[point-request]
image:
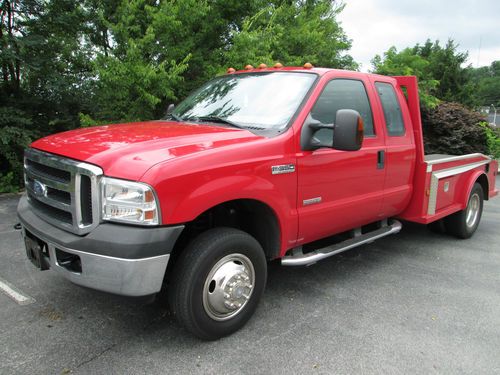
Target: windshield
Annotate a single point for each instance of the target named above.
(262, 101)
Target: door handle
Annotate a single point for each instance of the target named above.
(380, 159)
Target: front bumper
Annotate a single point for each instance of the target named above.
(119, 259)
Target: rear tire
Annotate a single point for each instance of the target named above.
(217, 282)
(464, 223)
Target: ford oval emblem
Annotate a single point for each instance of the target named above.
(39, 189)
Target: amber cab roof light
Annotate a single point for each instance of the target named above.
(277, 65)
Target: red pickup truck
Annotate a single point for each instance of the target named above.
(256, 165)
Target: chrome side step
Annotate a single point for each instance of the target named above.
(301, 259)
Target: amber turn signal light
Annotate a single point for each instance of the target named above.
(360, 132)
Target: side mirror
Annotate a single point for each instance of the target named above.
(348, 131)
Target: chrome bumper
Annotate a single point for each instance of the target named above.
(128, 277)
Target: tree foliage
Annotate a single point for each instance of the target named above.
(406, 63)
(448, 90)
(440, 70)
(292, 32)
(487, 80)
(70, 63)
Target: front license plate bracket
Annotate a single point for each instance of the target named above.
(37, 253)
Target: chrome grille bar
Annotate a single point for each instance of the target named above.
(54, 187)
(47, 181)
(47, 200)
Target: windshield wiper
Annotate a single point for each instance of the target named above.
(220, 120)
(175, 117)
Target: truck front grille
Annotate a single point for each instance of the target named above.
(62, 191)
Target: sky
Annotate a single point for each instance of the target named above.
(376, 25)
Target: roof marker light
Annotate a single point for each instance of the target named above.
(278, 65)
(231, 70)
(308, 65)
(262, 66)
(248, 67)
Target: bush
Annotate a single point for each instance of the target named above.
(451, 128)
(14, 124)
(7, 184)
(493, 139)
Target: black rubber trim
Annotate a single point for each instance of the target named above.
(114, 240)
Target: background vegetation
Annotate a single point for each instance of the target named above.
(70, 63)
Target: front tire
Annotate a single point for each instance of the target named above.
(217, 282)
(464, 223)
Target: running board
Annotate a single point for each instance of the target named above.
(301, 259)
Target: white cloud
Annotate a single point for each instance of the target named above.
(376, 25)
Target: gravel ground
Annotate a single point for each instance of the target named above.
(415, 303)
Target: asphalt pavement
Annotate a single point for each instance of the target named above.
(416, 302)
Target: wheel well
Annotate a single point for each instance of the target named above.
(251, 216)
(483, 181)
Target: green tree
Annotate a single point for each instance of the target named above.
(72, 63)
(488, 84)
(439, 69)
(292, 33)
(157, 52)
(46, 74)
(406, 63)
(446, 65)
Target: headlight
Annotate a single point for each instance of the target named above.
(128, 202)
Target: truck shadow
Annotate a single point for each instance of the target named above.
(287, 288)
(343, 265)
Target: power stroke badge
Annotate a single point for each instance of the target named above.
(285, 168)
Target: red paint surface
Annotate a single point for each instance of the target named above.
(129, 150)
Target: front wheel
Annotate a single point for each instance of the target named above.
(464, 223)
(217, 282)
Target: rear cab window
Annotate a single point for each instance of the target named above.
(392, 109)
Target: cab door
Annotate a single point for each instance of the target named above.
(400, 146)
(340, 190)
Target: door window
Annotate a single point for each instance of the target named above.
(342, 94)
(392, 109)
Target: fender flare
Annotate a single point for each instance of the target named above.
(472, 180)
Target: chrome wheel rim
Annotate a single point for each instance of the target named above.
(228, 287)
(472, 212)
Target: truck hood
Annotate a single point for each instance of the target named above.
(129, 150)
